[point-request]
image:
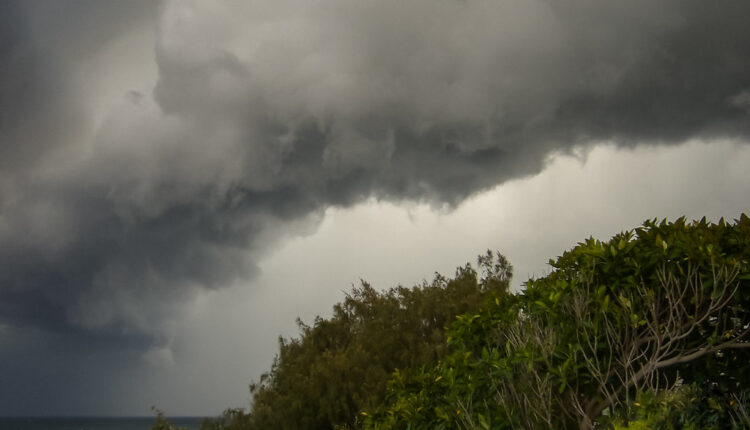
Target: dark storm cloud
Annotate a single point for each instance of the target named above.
(32, 94)
(264, 115)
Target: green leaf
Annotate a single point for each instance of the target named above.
(624, 301)
(441, 414)
(484, 421)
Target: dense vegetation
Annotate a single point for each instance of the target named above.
(340, 366)
(642, 315)
(647, 330)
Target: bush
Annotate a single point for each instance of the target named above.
(340, 366)
(613, 320)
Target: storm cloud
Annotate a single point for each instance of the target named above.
(252, 118)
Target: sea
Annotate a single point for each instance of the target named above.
(90, 423)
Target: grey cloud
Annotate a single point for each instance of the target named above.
(263, 115)
(32, 96)
(439, 104)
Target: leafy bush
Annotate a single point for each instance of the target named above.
(614, 319)
(686, 407)
(340, 366)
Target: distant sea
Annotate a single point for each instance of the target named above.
(87, 423)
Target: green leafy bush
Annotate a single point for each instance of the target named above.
(686, 407)
(340, 366)
(663, 303)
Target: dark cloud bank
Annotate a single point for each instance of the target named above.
(263, 116)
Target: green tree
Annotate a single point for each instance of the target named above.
(642, 312)
(648, 329)
(340, 366)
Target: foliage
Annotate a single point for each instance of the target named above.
(614, 320)
(340, 366)
(686, 407)
(647, 330)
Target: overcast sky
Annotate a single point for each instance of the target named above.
(180, 180)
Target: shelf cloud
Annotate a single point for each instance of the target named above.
(260, 115)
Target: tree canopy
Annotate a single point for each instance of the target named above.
(340, 366)
(649, 311)
(650, 329)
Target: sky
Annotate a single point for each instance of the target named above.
(180, 180)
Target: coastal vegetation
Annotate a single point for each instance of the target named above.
(650, 329)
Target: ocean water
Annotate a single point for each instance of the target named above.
(87, 423)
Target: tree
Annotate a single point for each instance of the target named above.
(340, 366)
(641, 313)
(648, 329)
(649, 305)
